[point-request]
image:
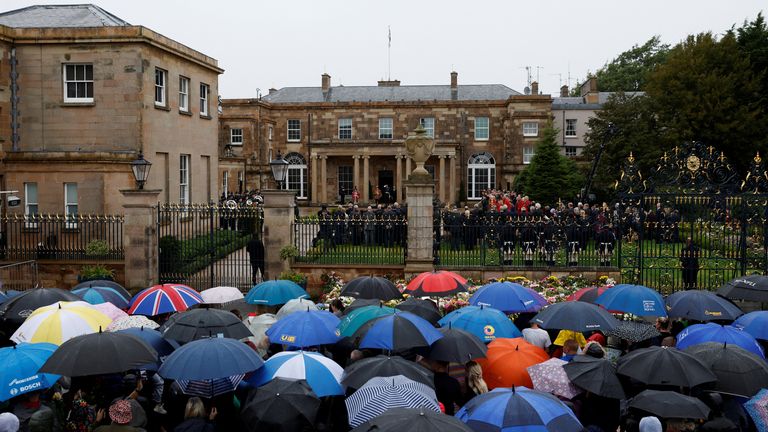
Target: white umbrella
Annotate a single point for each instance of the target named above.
(258, 325)
(296, 305)
(221, 294)
(132, 321)
(110, 310)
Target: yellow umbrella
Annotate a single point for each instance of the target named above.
(59, 322)
(564, 335)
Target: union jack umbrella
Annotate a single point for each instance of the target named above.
(436, 284)
(165, 298)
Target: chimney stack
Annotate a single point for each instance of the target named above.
(326, 83)
(454, 80)
(564, 91)
(272, 90)
(535, 88)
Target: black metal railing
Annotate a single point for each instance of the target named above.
(61, 237)
(19, 276)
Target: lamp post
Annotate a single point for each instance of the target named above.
(279, 168)
(140, 168)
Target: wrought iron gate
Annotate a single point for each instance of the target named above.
(204, 246)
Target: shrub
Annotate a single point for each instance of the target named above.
(97, 248)
(93, 272)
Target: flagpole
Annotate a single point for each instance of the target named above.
(389, 51)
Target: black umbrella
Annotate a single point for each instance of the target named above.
(371, 287)
(99, 353)
(665, 366)
(577, 316)
(457, 346)
(413, 420)
(14, 311)
(738, 371)
(634, 331)
(196, 324)
(754, 288)
(361, 302)
(281, 405)
(595, 375)
(359, 372)
(701, 306)
(426, 309)
(106, 284)
(670, 405)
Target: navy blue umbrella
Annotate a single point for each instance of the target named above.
(635, 299)
(209, 359)
(400, 331)
(701, 306)
(754, 323)
(577, 316)
(711, 332)
(153, 338)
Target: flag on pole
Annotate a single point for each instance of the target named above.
(389, 29)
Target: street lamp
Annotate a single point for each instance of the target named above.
(279, 168)
(140, 168)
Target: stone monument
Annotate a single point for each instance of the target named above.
(420, 191)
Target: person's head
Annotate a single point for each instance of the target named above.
(570, 347)
(663, 324)
(475, 379)
(593, 349)
(337, 305)
(668, 341)
(129, 383)
(120, 412)
(439, 366)
(533, 324)
(194, 408)
(9, 422)
(41, 421)
(236, 312)
(689, 241)
(650, 424)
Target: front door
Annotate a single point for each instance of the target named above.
(386, 184)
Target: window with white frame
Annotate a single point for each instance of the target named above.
(236, 136)
(294, 130)
(345, 181)
(183, 94)
(385, 128)
(205, 91)
(184, 179)
(161, 78)
(296, 177)
(428, 123)
(530, 129)
(570, 151)
(481, 174)
(70, 204)
(528, 154)
(570, 128)
(225, 183)
(345, 128)
(481, 128)
(30, 203)
(78, 82)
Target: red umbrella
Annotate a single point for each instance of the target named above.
(436, 284)
(589, 294)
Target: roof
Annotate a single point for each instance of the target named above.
(580, 103)
(82, 15)
(396, 94)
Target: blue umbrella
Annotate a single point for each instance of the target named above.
(305, 329)
(18, 369)
(101, 283)
(210, 359)
(3, 297)
(321, 373)
(711, 332)
(754, 323)
(634, 299)
(701, 306)
(484, 322)
(98, 295)
(275, 292)
(508, 297)
(518, 409)
(400, 331)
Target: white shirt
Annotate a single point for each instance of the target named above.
(538, 337)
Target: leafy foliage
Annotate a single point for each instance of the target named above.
(631, 69)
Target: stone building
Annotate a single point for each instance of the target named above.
(93, 92)
(337, 138)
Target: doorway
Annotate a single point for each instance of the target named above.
(386, 184)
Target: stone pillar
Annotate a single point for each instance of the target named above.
(399, 178)
(356, 173)
(441, 183)
(407, 167)
(278, 222)
(453, 188)
(324, 179)
(420, 190)
(140, 238)
(366, 179)
(313, 178)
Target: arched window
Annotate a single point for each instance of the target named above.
(481, 174)
(296, 178)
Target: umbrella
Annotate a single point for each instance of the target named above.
(757, 407)
(670, 405)
(400, 331)
(258, 326)
(578, 316)
(711, 332)
(359, 372)
(665, 366)
(16, 309)
(634, 331)
(281, 405)
(595, 375)
(701, 306)
(99, 353)
(635, 299)
(96, 295)
(132, 321)
(102, 283)
(153, 338)
(321, 373)
(305, 329)
(754, 323)
(19, 367)
(211, 358)
(381, 394)
(484, 322)
(296, 305)
(588, 294)
(353, 321)
(203, 323)
(210, 388)
(457, 346)
(738, 371)
(754, 288)
(110, 310)
(413, 420)
(165, 298)
(426, 309)
(60, 322)
(221, 294)
(438, 283)
(550, 377)
(508, 297)
(360, 303)
(506, 362)
(3, 297)
(371, 287)
(275, 292)
(518, 409)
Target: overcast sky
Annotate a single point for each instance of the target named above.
(284, 43)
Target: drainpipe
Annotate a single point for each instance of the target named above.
(14, 102)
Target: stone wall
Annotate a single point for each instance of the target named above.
(63, 274)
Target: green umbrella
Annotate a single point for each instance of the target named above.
(357, 318)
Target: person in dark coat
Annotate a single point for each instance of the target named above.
(255, 249)
(689, 261)
(447, 388)
(195, 418)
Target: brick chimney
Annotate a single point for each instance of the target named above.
(454, 80)
(326, 83)
(389, 83)
(535, 88)
(589, 91)
(564, 91)
(272, 90)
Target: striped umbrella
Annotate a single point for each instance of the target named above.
(436, 284)
(381, 394)
(97, 295)
(210, 388)
(165, 298)
(60, 322)
(321, 373)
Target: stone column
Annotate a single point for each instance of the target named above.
(366, 179)
(140, 238)
(453, 187)
(441, 184)
(407, 167)
(356, 172)
(313, 178)
(278, 222)
(420, 192)
(324, 179)
(399, 178)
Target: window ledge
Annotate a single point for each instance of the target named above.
(481, 139)
(186, 113)
(571, 136)
(206, 116)
(162, 107)
(530, 136)
(77, 104)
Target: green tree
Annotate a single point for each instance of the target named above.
(629, 71)
(752, 38)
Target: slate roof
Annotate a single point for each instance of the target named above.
(579, 103)
(397, 94)
(81, 15)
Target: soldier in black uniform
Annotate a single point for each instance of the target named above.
(605, 243)
(689, 261)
